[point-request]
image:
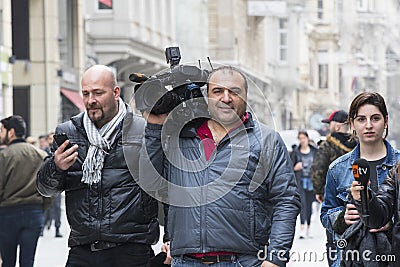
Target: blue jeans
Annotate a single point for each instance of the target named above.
(20, 225)
(239, 261)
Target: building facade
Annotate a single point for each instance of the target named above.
(6, 60)
(43, 42)
(130, 36)
(303, 58)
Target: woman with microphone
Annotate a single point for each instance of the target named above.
(368, 119)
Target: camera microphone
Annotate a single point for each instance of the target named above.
(138, 78)
(361, 172)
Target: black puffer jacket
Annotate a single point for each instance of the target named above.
(115, 209)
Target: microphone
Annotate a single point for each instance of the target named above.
(361, 172)
(138, 77)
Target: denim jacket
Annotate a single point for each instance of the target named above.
(339, 178)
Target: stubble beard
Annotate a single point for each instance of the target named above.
(97, 120)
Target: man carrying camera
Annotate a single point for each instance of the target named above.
(113, 222)
(232, 193)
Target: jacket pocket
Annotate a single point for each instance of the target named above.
(259, 224)
(149, 206)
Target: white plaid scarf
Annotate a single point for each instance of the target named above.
(100, 142)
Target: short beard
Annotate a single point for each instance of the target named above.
(5, 140)
(98, 120)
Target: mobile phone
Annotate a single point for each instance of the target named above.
(61, 138)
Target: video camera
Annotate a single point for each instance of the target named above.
(185, 99)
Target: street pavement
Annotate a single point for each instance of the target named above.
(53, 252)
(310, 251)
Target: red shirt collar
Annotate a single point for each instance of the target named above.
(204, 132)
(207, 138)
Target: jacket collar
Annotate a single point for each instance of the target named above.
(190, 129)
(342, 140)
(390, 159)
(18, 140)
(77, 121)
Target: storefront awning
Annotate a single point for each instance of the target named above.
(74, 97)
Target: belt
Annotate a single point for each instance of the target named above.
(101, 245)
(213, 259)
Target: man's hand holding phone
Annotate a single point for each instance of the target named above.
(66, 154)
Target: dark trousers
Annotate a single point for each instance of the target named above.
(126, 255)
(307, 198)
(20, 225)
(54, 212)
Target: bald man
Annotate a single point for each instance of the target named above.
(113, 222)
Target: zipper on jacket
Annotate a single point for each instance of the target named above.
(203, 228)
(203, 209)
(99, 210)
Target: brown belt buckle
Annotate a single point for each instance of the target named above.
(204, 260)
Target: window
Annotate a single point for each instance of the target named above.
(323, 76)
(1, 26)
(365, 5)
(66, 34)
(362, 5)
(20, 29)
(283, 41)
(320, 12)
(371, 5)
(105, 4)
(312, 74)
(340, 6)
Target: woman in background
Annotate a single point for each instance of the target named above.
(303, 156)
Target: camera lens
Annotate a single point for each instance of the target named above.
(148, 94)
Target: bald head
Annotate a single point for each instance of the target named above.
(228, 71)
(100, 94)
(100, 72)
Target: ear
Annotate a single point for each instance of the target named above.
(11, 134)
(338, 126)
(351, 124)
(386, 121)
(117, 92)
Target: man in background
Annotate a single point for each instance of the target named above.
(21, 205)
(54, 212)
(44, 144)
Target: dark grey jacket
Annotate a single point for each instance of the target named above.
(242, 199)
(115, 209)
